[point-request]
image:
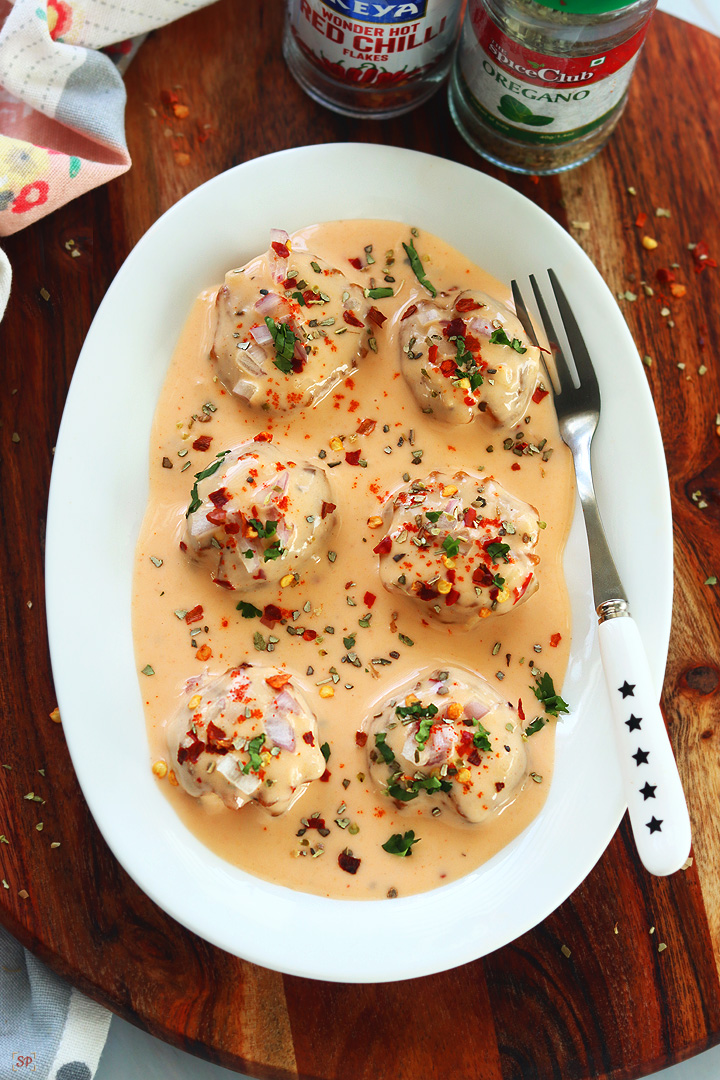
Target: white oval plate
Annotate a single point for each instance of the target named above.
(97, 500)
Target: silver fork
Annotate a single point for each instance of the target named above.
(656, 802)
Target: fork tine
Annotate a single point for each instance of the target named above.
(578, 348)
(565, 379)
(523, 316)
(526, 323)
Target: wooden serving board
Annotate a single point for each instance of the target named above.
(618, 1005)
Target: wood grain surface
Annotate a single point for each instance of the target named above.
(618, 1006)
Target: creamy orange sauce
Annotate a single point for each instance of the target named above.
(332, 594)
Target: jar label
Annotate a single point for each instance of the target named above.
(535, 97)
(375, 44)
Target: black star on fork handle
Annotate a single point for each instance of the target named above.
(649, 769)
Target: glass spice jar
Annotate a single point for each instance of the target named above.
(539, 85)
(371, 59)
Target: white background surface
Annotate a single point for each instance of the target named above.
(130, 1053)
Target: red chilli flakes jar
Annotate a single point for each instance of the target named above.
(371, 58)
(539, 85)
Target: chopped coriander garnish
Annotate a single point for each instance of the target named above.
(385, 751)
(451, 546)
(417, 268)
(499, 337)
(401, 844)
(406, 640)
(429, 784)
(498, 551)
(263, 531)
(433, 515)
(481, 738)
(424, 713)
(253, 748)
(379, 293)
(538, 722)
(325, 751)
(284, 341)
(248, 611)
(544, 691)
(273, 552)
(195, 500)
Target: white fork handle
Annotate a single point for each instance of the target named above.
(656, 801)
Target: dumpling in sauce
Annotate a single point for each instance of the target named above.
(464, 354)
(258, 516)
(449, 741)
(467, 547)
(246, 736)
(289, 327)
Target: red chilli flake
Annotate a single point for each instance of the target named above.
(309, 635)
(539, 394)
(555, 640)
(384, 546)
(309, 738)
(521, 711)
(327, 508)
(376, 316)
(640, 220)
(452, 597)
(263, 436)
(194, 615)
(356, 263)
(281, 250)
(202, 442)
(366, 426)
(466, 303)
(190, 753)
(220, 497)
(351, 319)
(664, 276)
(361, 738)
(325, 776)
(271, 614)
(348, 863)
(455, 328)
(408, 312)
(369, 599)
(353, 457)
(515, 467)
(701, 257)
(315, 823)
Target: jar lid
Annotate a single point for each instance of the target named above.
(586, 7)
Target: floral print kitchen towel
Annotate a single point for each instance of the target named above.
(62, 101)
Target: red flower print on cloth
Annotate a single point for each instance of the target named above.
(59, 17)
(32, 195)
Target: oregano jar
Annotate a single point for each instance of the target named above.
(539, 85)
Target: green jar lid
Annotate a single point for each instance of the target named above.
(586, 7)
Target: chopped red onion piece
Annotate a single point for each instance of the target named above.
(475, 710)
(262, 334)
